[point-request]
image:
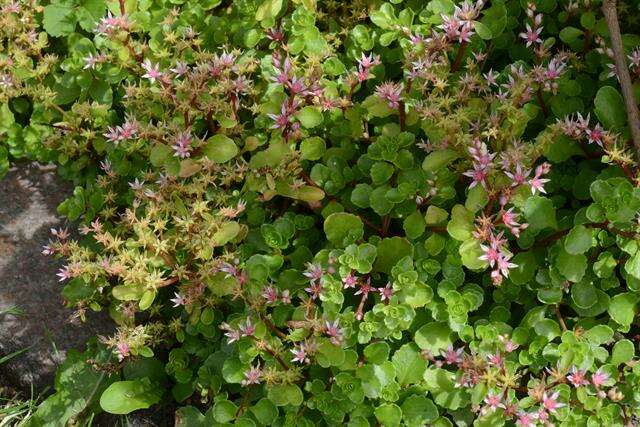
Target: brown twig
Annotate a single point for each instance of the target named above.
(272, 327)
(385, 225)
(633, 115)
(168, 282)
(360, 310)
(560, 318)
(122, 9)
(545, 112)
(458, 61)
(277, 357)
(403, 115)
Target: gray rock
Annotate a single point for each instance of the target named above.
(29, 195)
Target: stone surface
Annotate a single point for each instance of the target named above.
(29, 195)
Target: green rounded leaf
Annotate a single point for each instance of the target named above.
(419, 409)
(584, 294)
(58, 19)
(414, 225)
(622, 308)
(390, 251)
(482, 30)
(377, 353)
(310, 116)
(578, 240)
(609, 107)
(434, 336)
(623, 351)
(226, 233)
(343, 229)
(312, 148)
(409, 364)
(124, 397)
(540, 213)
(388, 414)
(265, 411)
(438, 159)
(285, 394)
(220, 148)
(224, 411)
(572, 267)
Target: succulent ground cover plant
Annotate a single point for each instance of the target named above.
(339, 213)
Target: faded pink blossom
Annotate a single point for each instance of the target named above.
(285, 297)
(577, 377)
(550, 402)
(390, 92)
(537, 182)
(122, 350)
(595, 135)
(350, 281)
(452, 356)
(270, 294)
(532, 35)
(178, 300)
(334, 331)
(599, 377)
(365, 288)
(314, 272)
(314, 289)
(64, 273)
(182, 145)
(252, 376)
(495, 359)
(385, 293)
(492, 403)
(248, 329)
(525, 419)
(153, 72)
(300, 354)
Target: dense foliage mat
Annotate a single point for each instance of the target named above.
(305, 212)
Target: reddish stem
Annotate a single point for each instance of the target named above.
(272, 327)
(545, 112)
(403, 115)
(458, 61)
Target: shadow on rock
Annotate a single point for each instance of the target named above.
(29, 195)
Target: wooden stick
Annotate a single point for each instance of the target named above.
(611, 17)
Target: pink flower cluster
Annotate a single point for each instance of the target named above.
(578, 128)
(532, 33)
(128, 130)
(460, 26)
(252, 376)
(334, 332)
(390, 92)
(578, 377)
(364, 66)
(182, 145)
(152, 71)
(296, 87)
(547, 76)
(109, 25)
(497, 256)
(232, 270)
(303, 351)
(234, 334)
(482, 163)
(92, 60)
(314, 273)
(272, 296)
